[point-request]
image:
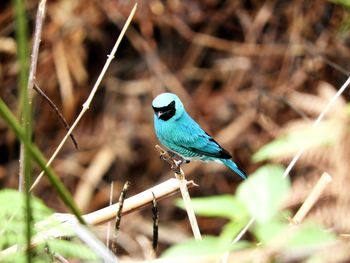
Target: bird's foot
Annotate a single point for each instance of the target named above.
(174, 160)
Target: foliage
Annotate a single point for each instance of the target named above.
(12, 221)
(309, 137)
(260, 196)
(264, 192)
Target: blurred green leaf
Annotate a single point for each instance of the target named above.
(65, 195)
(209, 245)
(71, 249)
(226, 206)
(12, 218)
(345, 3)
(310, 235)
(232, 229)
(309, 137)
(264, 191)
(266, 232)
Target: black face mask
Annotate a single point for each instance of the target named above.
(165, 113)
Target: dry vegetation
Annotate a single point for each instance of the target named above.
(248, 71)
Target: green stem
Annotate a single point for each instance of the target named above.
(10, 119)
(25, 109)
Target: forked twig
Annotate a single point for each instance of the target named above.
(56, 110)
(179, 174)
(87, 103)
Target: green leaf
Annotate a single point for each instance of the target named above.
(309, 137)
(209, 245)
(232, 229)
(12, 218)
(226, 206)
(65, 195)
(345, 3)
(71, 249)
(263, 192)
(266, 232)
(310, 235)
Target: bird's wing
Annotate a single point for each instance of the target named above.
(192, 137)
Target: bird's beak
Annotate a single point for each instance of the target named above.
(159, 114)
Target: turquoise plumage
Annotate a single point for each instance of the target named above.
(177, 131)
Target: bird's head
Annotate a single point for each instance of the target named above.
(167, 105)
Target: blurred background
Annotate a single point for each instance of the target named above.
(247, 71)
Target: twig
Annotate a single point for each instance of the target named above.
(312, 198)
(56, 110)
(179, 174)
(118, 218)
(155, 217)
(87, 103)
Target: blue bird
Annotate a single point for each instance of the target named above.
(177, 131)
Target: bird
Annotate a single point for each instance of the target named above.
(182, 135)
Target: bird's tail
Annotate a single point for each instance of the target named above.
(230, 164)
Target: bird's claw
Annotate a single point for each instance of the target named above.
(173, 159)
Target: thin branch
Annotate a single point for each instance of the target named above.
(317, 121)
(56, 110)
(179, 174)
(87, 103)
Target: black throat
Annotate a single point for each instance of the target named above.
(166, 112)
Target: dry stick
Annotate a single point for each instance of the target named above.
(109, 223)
(301, 151)
(135, 202)
(56, 110)
(312, 198)
(179, 174)
(155, 218)
(118, 218)
(32, 72)
(87, 103)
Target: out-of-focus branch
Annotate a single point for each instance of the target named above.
(312, 198)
